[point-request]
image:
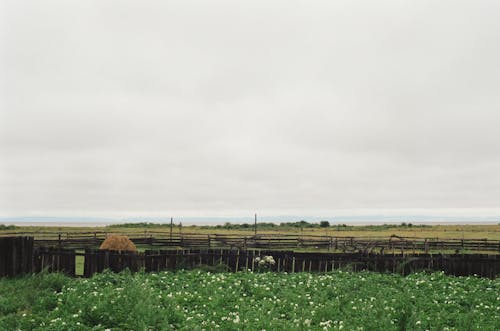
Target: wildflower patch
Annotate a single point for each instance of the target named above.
(200, 300)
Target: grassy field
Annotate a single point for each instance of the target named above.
(200, 300)
(438, 231)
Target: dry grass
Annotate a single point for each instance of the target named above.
(438, 231)
(118, 243)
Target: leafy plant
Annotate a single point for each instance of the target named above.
(201, 299)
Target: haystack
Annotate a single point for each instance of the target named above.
(118, 243)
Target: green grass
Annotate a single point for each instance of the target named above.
(79, 264)
(197, 300)
(29, 294)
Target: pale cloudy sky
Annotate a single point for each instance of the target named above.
(130, 108)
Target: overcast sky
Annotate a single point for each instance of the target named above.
(130, 108)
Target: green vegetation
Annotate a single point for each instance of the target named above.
(309, 225)
(142, 225)
(7, 227)
(29, 294)
(230, 226)
(196, 300)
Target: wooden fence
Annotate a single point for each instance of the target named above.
(288, 261)
(19, 255)
(100, 260)
(366, 244)
(16, 255)
(54, 260)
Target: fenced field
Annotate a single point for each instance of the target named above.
(24, 257)
(270, 241)
(303, 290)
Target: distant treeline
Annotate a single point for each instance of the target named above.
(308, 225)
(139, 225)
(7, 227)
(269, 225)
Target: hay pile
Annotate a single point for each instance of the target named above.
(118, 243)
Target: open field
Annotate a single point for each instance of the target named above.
(437, 231)
(200, 300)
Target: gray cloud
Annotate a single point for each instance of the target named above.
(192, 107)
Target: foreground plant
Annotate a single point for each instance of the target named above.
(197, 300)
(264, 263)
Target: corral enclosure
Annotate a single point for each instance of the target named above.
(447, 240)
(23, 256)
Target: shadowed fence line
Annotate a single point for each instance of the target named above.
(19, 255)
(288, 261)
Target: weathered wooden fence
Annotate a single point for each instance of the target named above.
(54, 260)
(288, 261)
(161, 239)
(100, 260)
(16, 255)
(19, 256)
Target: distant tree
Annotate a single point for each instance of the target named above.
(7, 227)
(324, 224)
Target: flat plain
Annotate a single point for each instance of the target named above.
(490, 231)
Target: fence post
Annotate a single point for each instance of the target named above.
(171, 227)
(106, 259)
